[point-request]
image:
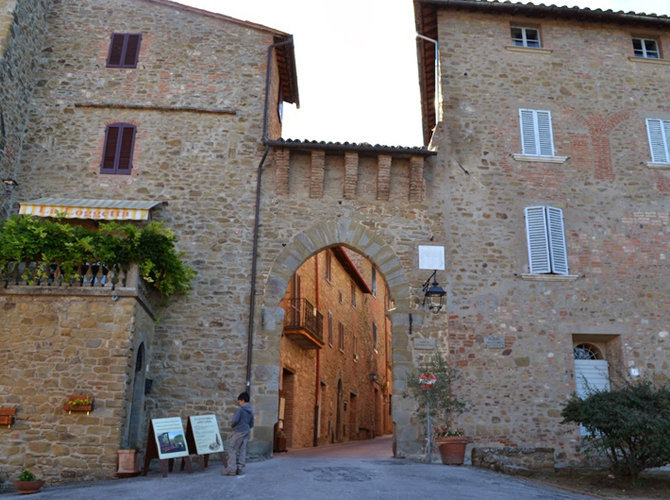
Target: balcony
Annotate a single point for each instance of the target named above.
(303, 324)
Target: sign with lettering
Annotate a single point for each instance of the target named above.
(206, 434)
(170, 437)
(425, 344)
(494, 342)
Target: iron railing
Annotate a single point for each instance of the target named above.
(301, 314)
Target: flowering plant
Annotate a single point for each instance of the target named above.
(73, 403)
(444, 431)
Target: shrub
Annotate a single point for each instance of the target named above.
(47, 242)
(444, 403)
(630, 425)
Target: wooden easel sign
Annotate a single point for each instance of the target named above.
(205, 434)
(170, 437)
(202, 434)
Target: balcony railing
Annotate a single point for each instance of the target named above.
(304, 324)
(88, 274)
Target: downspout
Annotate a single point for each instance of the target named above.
(437, 75)
(317, 381)
(254, 255)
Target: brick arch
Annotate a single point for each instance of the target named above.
(265, 370)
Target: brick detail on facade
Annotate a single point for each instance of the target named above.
(350, 175)
(383, 177)
(317, 174)
(281, 161)
(416, 179)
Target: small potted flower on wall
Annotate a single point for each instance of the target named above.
(28, 483)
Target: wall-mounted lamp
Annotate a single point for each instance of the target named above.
(434, 294)
(9, 185)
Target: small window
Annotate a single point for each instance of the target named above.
(355, 341)
(374, 336)
(374, 281)
(117, 157)
(658, 132)
(536, 132)
(546, 241)
(124, 50)
(525, 37)
(646, 47)
(340, 296)
(329, 271)
(340, 331)
(330, 329)
(586, 351)
(353, 294)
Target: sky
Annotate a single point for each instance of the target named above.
(356, 62)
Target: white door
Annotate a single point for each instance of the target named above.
(591, 375)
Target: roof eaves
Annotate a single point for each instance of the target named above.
(362, 148)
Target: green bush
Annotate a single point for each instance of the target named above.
(444, 402)
(47, 242)
(630, 425)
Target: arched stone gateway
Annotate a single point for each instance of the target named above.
(265, 372)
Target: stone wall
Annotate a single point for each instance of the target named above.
(615, 211)
(22, 28)
(56, 343)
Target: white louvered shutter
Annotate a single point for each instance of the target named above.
(559, 257)
(591, 375)
(544, 133)
(536, 236)
(658, 132)
(528, 138)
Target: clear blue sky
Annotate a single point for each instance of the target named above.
(356, 61)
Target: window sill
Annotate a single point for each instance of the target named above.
(549, 277)
(540, 159)
(528, 50)
(649, 60)
(661, 166)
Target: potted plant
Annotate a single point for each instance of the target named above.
(27, 483)
(130, 462)
(79, 402)
(439, 396)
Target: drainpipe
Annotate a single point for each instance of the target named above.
(317, 381)
(437, 74)
(254, 255)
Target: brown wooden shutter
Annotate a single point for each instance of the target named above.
(115, 50)
(118, 151)
(132, 51)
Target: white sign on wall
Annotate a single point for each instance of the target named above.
(431, 257)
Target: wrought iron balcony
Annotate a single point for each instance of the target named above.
(303, 324)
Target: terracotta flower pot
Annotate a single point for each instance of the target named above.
(129, 463)
(26, 487)
(452, 449)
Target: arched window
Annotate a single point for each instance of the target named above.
(586, 351)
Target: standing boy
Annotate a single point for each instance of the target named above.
(242, 423)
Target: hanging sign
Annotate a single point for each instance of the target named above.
(205, 434)
(170, 437)
(427, 380)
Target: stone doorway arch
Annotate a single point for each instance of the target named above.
(324, 234)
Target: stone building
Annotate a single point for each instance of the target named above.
(335, 383)
(538, 122)
(552, 127)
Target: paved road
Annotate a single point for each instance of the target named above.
(341, 472)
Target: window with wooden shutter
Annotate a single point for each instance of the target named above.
(117, 156)
(658, 132)
(536, 132)
(546, 240)
(124, 50)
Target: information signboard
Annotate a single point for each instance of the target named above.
(170, 437)
(206, 434)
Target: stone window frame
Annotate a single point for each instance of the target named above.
(329, 268)
(523, 40)
(116, 149)
(340, 336)
(330, 328)
(643, 52)
(375, 337)
(124, 50)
